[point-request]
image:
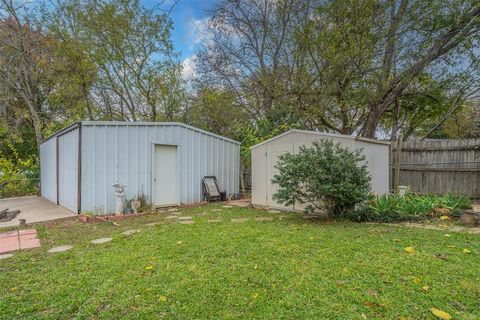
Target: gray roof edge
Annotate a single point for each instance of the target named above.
(73, 126)
(140, 123)
(320, 134)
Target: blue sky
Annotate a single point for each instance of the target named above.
(186, 15)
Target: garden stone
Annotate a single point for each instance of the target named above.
(6, 256)
(263, 219)
(151, 224)
(185, 218)
(214, 220)
(187, 222)
(172, 210)
(101, 240)
(132, 231)
(274, 211)
(171, 217)
(240, 220)
(60, 249)
(227, 207)
(216, 210)
(470, 218)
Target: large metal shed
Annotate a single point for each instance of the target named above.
(265, 156)
(163, 161)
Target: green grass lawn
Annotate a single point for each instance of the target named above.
(288, 268)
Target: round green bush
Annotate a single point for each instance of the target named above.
(325, 176)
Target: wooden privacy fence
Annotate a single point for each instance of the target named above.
(439, 166)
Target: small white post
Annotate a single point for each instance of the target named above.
(120, 194)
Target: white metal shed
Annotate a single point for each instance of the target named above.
(265, 156)
(164, 161)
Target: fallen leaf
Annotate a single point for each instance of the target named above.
(397, 240)
(425, 288)
(447, 235)
(179, 242)
(409, 249)
(466, 251)
(460, 305)
(364, 316)
(444, 218)
(441, 256)
(451, 246)
(163, 298)
(440, 314)
(417, 280)
(373, 293)
(255, 296)
(149, 267)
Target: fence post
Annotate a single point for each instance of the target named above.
(397, 164)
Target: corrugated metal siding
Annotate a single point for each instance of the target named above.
(48, 170)
(68, 169)
(123, 153)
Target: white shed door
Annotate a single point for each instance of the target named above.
(272, 188)
(165, 177)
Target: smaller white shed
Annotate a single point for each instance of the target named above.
(265, 156)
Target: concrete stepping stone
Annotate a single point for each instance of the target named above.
(172, 210)
(274, 211)
(263, 219)
(130, 232)
(151, 224)
(216, 210)
(228, 207)
(187, 222)
(171, 217)
(240, 220)
(203, 213)
(185, 218)
(214, 220)
(6, 256)
(60, 249)
(101, 240)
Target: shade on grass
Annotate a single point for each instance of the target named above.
(288, 268)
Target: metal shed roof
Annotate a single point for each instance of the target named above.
(136, 123)
(319, 134)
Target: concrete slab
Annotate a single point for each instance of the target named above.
(240, 220)
(33, 209)
(130, 232)
(6, 256)
(60, 249)
(101, 240)
(187, 222)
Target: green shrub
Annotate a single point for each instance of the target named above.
(411, 207)
(324, 176)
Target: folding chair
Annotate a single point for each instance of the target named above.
(211, 191)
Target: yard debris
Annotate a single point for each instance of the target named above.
(6, 215)
(441, 256)
(425, 288)
(409, 249)
(466, 251)
(445, 218)
(440, 314)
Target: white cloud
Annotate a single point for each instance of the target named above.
(197, 32)
(188, 68)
